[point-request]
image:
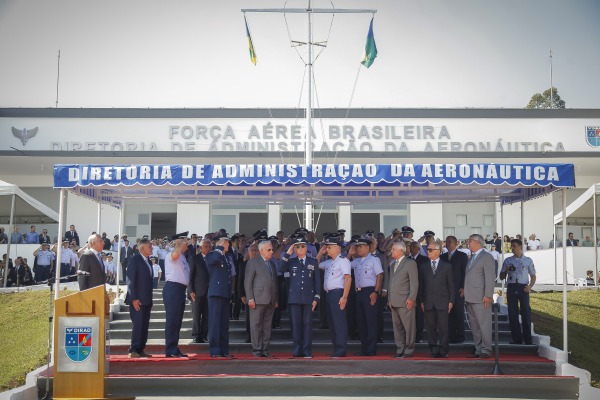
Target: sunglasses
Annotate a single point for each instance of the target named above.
(299, 246)
(430, 250)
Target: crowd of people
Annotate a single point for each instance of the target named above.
(350, 283)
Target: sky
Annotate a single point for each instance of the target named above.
(194, 54)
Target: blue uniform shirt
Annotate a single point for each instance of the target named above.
(366, 270)
(177, 271)
(305, 280)
(334, 272)
(523, 268)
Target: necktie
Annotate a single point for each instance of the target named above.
(100, 259)
(396, 264)
(150, 265)
(434, 266)
(450, 256)
(269, 268)
(471, 261)
(302, 261)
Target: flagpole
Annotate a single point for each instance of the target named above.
(308, 220)
(308, 150)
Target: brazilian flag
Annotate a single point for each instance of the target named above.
(370, 48)
(250, 45)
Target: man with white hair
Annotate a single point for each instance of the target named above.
(479, 289)
(401, 286)
(91, 266)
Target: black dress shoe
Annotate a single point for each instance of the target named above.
(398, 355)
(227, 355)
(217, 356)
(360, 354)
(484, 355)
(176, 355)
(473, 355)
(443, 355)
(407, 356)
(198, 341)
(511, 342)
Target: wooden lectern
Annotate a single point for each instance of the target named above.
(80, 363)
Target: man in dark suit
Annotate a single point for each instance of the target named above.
(126, 254)
(415, 248)
(252, 253)
(139, 298)
(303, 294)
(71, 234)
(436, 297)
(199, 289)
(456, 319)
(91, 267)
(261, 291)
(571, 241)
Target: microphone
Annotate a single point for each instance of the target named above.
(84, 273)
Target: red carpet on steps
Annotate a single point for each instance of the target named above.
(160, 358)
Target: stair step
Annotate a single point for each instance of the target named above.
(527, 387)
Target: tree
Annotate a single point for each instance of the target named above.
(542, 100)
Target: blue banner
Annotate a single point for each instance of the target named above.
(70, 176)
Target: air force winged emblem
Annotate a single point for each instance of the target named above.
(78, 343)
(24, 134)
(593, 135)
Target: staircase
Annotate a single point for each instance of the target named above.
(526, 375)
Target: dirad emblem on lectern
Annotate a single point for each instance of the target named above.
(77, 342)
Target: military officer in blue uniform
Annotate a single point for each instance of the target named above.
(368, 276)
(337, 285)
(177, 272)
(303, 294)
(221, 272)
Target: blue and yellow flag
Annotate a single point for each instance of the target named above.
(370, 48)
(250, 45)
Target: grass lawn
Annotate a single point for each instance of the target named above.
(583, 314)
(23, 335)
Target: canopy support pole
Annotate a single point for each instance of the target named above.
(121, 229)
(523, 226)
(554, 242)
(595, 240)
(501, 251)
(564, 249)
(10, 224)
(61, 228)
(98, 223)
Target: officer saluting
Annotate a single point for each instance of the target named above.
(337, 285)
(221, 273)
(177, 271)
(303, 294)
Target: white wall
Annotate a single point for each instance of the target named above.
(426, 217)
(474, 212)
(538, 218)
(83, 213)
(579, 260)
(193, 218)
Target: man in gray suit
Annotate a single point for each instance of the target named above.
(479, 289)
(401, 286)
(260, 284)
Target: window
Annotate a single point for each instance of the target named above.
(461, 219)
(448, 232)
(476, 230)
(488, 220)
